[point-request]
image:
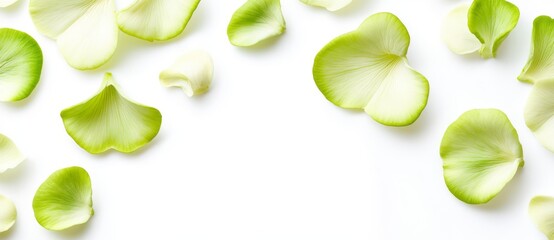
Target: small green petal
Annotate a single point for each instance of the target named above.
(10, 156)
(331, 5)
(541, 211)
(491, 21)
(481, 153)
(539, 112)
(541, 60)
(20, 65)
(155, 20)
(6, 3)
(192, 72)
(367, 69)
(255, 21)
(8, 214)
(110, 121)
(64, 199)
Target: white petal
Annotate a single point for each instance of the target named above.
(331, 5)
(8, 214)
(6, 3)
(541, 211)
(192, 72)
(10, 156)
(456, 34)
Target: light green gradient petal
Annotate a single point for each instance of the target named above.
(110, 121)
(541, 211)
(367, 69)
(481, 153)
(456, 34)
(8, 214)
(331, 5)
(539, 112)
(155, 20)
(540, 65)
(20, 65)
(64, 199)
(255, 21)
(192, 72)
(10, 156)
(85, 30)
(6, 3)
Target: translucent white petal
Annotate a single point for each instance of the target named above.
(331, 5)
(456, 34)
(6, 3)
(8, 214)
(541, 211)
(10, 156)
(192, 72)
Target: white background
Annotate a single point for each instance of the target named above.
(263, 155)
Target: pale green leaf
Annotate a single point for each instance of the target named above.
(192, 72)
(255, 21)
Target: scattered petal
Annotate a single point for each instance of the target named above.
(7, 3)
(10, 156)
(255, 21)
(541, 210)
(331, 5)
(541, 60)
(192, 72)
(8, 214)
(539, 112)
(456, 34)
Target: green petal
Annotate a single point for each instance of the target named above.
(331, 5)
(192, 72)
(367, 69)
(110, 121)
(86, 30)
(541, 210)
(20, 64)
(8, 214)
(539, 112)
(255, 21)
(155, 20)
(64, 199)
(481, 153)
(541, 60)
(6, 3)
(10, 156)
(456, 34)
(491, 21)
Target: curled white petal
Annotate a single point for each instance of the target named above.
(193, 72)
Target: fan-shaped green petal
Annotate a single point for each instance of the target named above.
(110, 121)
(331, 5)
(540, 65)
(86, 30)
(367, 69)
(541, 211)
(64, 199)
(155, 20)
(10, 156)
(20, 64)
(255, 21)
(192, 72)
(481, 153)
(8, 214)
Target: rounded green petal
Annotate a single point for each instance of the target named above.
(541, 211)
(367, 69)
(10, 156)
(456, 34)
(539, 112)
(192, 72)
(85, 30)
(108, 120)
(6, 3)
(20, 65)
(64, 199)
(8, 214)
(255, 21)
(331, 5)
(481, 153)
(155, 20)
(491, 21)
(540, 65)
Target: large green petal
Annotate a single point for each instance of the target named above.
(20, 64)
(64, 199)
(541, 210)
(539, 112)
(491, 21)
(456, 34)
(5, 3)
(192, 72)
(481, 153)
(86, 30)
(8, 214)
(156, 20)
(255, 21)
(367, 69)
(540, 65)
(331, 5)
(10, 156)
(110, 121)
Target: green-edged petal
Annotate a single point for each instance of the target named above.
(20, 64)
(155, 20)
(6, 3)
(540, 65)
(86, 30)
(192, 72)
(331, 5)
(8, 214)
(491, 21)
(541, 211)
(539, 112)
(367, 69)
(10, 156)
(64, 199)
(255, 21)
(456, 34)
(481, 153)
(108, 120)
